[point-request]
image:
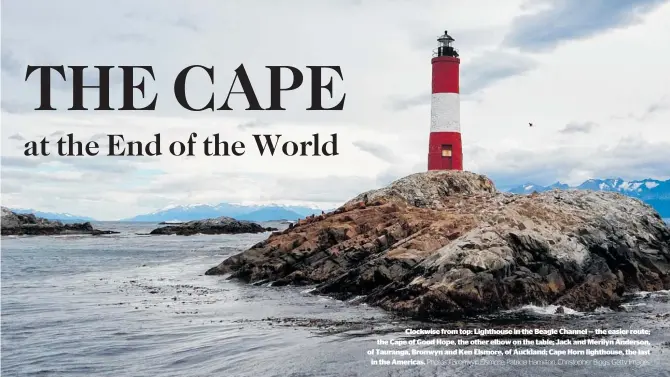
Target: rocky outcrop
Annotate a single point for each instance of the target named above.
(447, 243)
(29, 224)
(219, 225)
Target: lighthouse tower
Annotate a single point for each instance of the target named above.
(445, 149)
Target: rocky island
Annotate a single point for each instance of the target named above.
(31, 225)
(447, 243)
(219, 225)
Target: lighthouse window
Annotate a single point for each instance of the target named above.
(446, 151)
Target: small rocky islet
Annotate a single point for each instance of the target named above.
(441, 244)
(18, 224)
(219, 225)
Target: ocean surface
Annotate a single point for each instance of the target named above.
(137, 305)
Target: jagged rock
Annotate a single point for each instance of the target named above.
(428, 189)
(219, 225)
(29, 224)
(447, 243)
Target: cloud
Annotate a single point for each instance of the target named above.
(17, 137)
(575, 127)
(656, 107)
(650, 111)
(631, 157)
(20, 162)
(186, 24)
(381, 152)
(15, 107)
(492, 67)
(400, 104)
(10, 64)
(556, 22)
(397, 171)
(480, 73)
(10, 188)
(131, 38)
(252, 124)
(384, 51)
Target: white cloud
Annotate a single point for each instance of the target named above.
(612, 75)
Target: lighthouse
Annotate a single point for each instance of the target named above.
(445, 151)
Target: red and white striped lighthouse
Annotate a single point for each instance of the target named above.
(445, 151)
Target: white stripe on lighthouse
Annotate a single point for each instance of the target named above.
(445, 113)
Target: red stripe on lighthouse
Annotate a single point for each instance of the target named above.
(445, 74)
(438, 141)
(445, 151)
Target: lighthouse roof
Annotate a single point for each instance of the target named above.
(445, 37)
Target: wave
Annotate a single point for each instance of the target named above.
(545, 310)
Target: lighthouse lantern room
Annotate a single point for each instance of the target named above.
(445, 150)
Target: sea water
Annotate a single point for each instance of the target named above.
(136, 305)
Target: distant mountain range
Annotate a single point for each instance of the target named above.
(651, 191)
(240, 212)
(654, 192)
(53, 215)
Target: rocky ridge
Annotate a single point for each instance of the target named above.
(447, 243)
(219, 225)
(29, 224)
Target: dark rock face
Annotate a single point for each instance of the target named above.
(31, 225)
(220, 225)
(446, 243)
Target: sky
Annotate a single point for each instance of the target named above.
(590, 75)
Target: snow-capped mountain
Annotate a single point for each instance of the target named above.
(652, 191)
(53, 215)
(530, 187)
(238, 211)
